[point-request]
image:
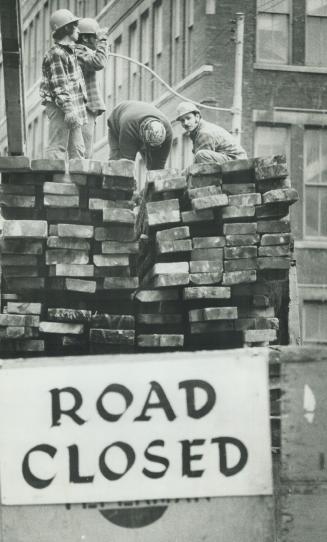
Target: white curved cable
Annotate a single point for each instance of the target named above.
(212, 107)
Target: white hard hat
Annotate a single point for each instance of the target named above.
(184, 108)
(88, 26)
(60, 18)
(153, 132)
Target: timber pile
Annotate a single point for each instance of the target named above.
(68, 254)
(215, 253)
(202, 262)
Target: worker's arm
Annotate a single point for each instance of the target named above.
(59, 83)
(205, 140)
(93, 60)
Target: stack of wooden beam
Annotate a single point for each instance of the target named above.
(80, 256)
(163, 262)
(199, 261)
(222, 238)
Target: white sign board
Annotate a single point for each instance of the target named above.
(141, 427)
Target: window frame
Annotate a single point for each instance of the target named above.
(307, 17)
(307, 340)
(289, 15)
(307, 237)
(286, 127)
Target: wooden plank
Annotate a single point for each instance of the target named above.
(11, 32)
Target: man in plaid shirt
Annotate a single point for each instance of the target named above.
(211, 143)
(92, 54)
(63, 91)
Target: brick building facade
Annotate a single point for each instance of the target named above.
(189, 44)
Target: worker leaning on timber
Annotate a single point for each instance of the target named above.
(92, 54)
(63, 89)
(211, 143)
(136, 126)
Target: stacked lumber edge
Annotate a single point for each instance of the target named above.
(196, 260)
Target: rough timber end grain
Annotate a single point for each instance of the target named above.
(25, 228)
(119, 168)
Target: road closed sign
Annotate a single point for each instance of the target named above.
(113, 428)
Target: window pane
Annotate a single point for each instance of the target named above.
(315, 321)
(317, 7)
(312, 156)
(272, 38)
(316, 42)
(311, 321)
(271, 140)
(324, 156)
(323, 211)
(323, 321)
(312, 210)
(311, 313)
(273, 6)
(158, 28)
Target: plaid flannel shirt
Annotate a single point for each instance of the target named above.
(62, 81)
(215, 138)
(91, 62)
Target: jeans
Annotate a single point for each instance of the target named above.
(62, 138)
(88, 133)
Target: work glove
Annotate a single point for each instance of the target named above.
(103, 33)
(71, 119)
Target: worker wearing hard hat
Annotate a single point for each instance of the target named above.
(139, 127)
(211, 143)
(92, 54)
(62, 89)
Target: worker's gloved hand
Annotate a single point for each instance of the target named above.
(103, 33)
(71, 119)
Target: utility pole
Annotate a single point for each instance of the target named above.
(10, 25)
(238, 78)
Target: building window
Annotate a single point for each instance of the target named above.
(187, 153)
(271, 140)
(176, 60)
(316, 33)
(189, 24)
(145, 56)
(133, 68)
(118, 69)
(38, 47)
(110, 75)
(175, 154)
(46, 28)
(314, 322)
(157, 44)
(30, 55)
(315, 182)
(273, 31)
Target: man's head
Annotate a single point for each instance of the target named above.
(64, 25)
(189, 116)
(153, 132)
(88, 30)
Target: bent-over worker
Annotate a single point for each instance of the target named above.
(211, 143)
(92, 54)
(136, 126)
